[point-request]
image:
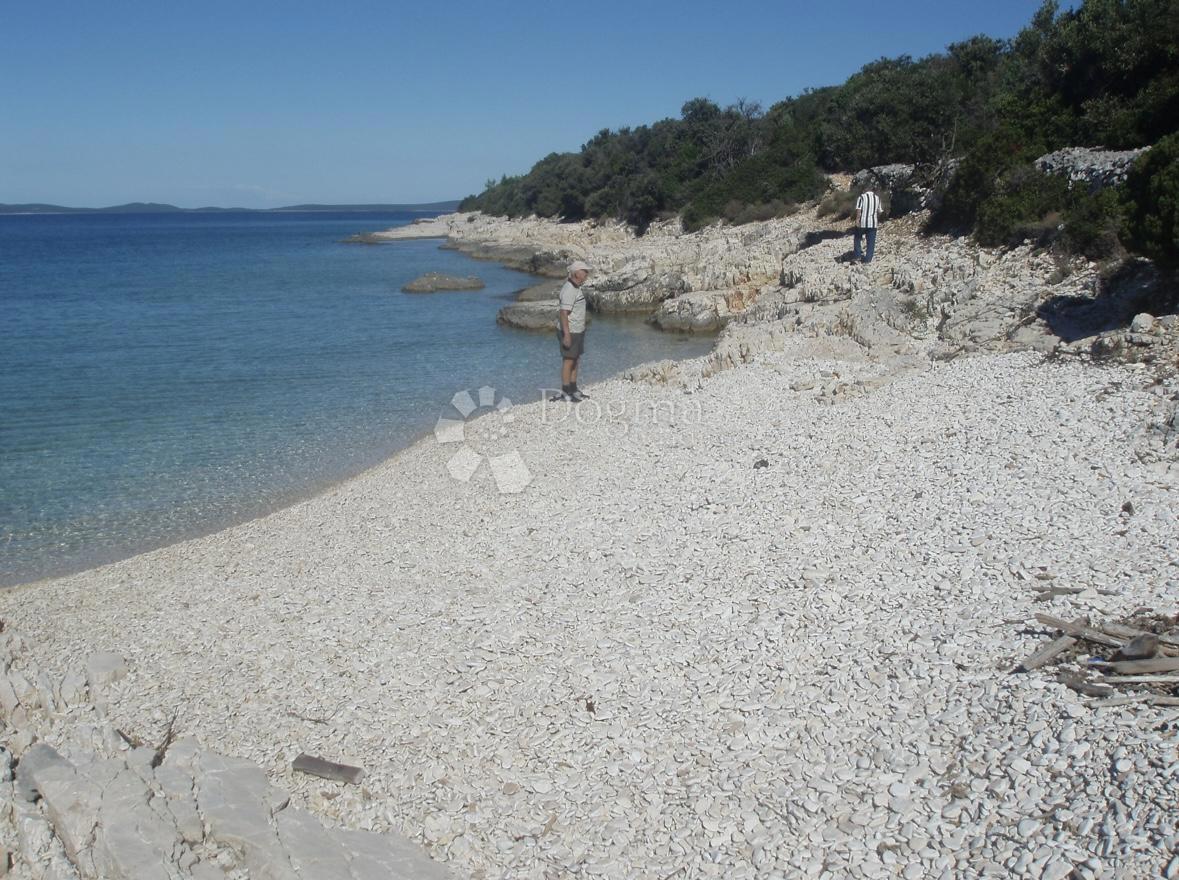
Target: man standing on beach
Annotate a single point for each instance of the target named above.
(867, 215)
(571, 330)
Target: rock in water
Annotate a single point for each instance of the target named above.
(541, 315)
(432, 282)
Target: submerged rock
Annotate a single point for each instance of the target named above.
(432, 282)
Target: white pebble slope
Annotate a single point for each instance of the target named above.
(661, 661)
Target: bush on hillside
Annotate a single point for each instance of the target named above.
(1152, 197)
(1017, 208)
(1094, 224)
(738, 213)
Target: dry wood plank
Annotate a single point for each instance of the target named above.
(1140, 679)
(1129, 632)
(1081, 631)
(327, 769)
(1130, 667)
(1047, 653)
(1120, 701)
(1081, 686)
(1164, 701)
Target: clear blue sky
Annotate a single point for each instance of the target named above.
(261, 104)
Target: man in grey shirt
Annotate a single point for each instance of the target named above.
(571, 330)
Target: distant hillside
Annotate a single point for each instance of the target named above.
(157, 208)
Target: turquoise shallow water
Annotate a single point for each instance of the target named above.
(162, 376)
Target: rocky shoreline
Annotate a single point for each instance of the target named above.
(751, 615)
(930, 295)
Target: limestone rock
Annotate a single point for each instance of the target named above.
(1142, 323)
(1094, 167)
(36, 759)
(234, 796)
(703, 311)
(904, 185)
(546, 290)
(530, 315)
(102, 670)
(432, 282)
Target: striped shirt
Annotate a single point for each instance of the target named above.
(867, 210)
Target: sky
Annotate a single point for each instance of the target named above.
(260, 104)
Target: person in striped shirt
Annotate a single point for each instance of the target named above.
(867, 217)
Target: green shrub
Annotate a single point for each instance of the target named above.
(1093, 224)
(838, 203)
(694, 217)
(738, 213)
(1152, 202)
(1019, 207)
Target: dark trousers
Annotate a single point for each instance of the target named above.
(867, 258)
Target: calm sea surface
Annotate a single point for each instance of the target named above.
(165, 375)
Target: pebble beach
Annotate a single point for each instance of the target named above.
(781, 611)
(763, 624)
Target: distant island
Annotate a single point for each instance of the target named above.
(157, 208)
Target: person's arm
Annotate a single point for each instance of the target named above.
(566, 299)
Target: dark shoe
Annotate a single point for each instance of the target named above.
(557, 398)
(581, 395)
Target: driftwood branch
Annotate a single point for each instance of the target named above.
(1141, 679)
(1133, 667)
(1047, 653)
(1081, 686)
(1129, 632)
(1081, 631)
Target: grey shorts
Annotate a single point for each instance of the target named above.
(577, 346)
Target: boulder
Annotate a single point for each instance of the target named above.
(433, 282)
(904, 185)
(1142, 323)
(706, 311)
(540, 316)
(1093, 167)
(529, 315)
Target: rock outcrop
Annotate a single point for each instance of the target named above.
(1093, 167)
(924, 294)
(703, 312)
(530, 315)
(905, 185)
(433, 282)
(96, 805)
(546, 290)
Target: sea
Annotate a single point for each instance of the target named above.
(163, 376)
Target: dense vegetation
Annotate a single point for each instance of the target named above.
(1104, 74)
